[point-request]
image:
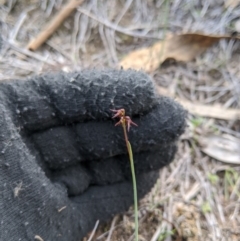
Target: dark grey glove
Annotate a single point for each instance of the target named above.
(63, 164)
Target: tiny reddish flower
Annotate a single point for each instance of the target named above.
(129, 122)
(121, 121)
(124, 120)
(119, 113)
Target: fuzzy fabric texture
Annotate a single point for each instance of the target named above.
(63, 164)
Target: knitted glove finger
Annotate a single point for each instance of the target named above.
(59, 98)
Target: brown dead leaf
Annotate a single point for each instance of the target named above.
(224, 148)
(183, 47)
(231, 3)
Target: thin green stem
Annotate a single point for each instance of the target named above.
(129, 148)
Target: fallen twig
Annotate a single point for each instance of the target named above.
(112, 228)
(37, 237)
(31, 54)
(217, 112)
(54, 24)
(94, 230)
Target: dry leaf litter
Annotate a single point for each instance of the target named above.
(197, 196)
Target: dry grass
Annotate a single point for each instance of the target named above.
(196, 197)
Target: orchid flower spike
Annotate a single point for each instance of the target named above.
(124, 120)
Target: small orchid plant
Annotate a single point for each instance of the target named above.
(126, 122)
